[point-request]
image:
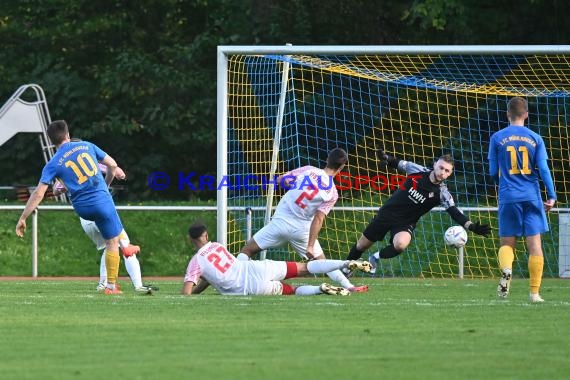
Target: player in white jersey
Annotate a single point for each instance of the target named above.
(214, 265)
(301, 212)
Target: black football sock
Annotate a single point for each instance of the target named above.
(388, 252)
(354, 253)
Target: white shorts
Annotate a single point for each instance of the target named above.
(93, 232)
(278, 232)
(96, 237)
(264, 277)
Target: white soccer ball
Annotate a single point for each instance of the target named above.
(455, 236)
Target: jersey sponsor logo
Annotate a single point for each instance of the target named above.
(416, 196)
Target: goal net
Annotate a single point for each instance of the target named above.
(285, 107)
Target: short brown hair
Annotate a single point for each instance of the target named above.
(57, 131)
(337, 157)
(517, 107)
(447, 158)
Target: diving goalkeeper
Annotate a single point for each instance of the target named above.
(422, 190)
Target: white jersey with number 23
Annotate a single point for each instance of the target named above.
(230, 276)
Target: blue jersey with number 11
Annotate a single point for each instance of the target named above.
(76, 165)
(517, 150)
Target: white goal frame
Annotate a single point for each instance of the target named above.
(224, 52)
(222, 87)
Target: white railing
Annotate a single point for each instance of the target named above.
(247, 210)
(34, 216)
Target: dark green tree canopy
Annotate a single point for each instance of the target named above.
(139, 77)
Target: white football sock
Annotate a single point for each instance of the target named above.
(103, 270)
(338, 277)
(124, 240)
(134, 270)
(308, 290)
(325, 266)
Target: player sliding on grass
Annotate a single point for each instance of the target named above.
(300, 214)
(214, 265)
(423, 190)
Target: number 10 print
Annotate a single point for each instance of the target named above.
(84, 168)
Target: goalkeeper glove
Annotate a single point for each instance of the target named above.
(388, 160)
(480, 229)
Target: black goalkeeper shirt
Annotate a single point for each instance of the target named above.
(409, 202)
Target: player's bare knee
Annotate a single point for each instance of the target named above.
(363, 244)
(302, 269)
(400, 246)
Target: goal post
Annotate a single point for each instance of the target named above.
(417, 102)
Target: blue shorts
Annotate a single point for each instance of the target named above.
(522, 219)
(105, 217)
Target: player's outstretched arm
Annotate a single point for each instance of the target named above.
(478, 228)
(187, 288)
(190, 287)
(386, 159)
(33, 202)
(463, 220)
(202, 285)
(314, 230)
(111, 168)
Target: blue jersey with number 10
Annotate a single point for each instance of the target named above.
(76, 165)
(517, 150)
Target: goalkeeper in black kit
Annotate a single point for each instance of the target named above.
(422, 190)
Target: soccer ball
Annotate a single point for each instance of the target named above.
(455, 236)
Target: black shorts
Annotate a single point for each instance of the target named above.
(379, 227)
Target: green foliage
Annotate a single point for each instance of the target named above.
(135, 79)
(65, 250)
(440, 22)
(139, 77)
(434, 13)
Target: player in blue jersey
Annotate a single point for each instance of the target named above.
(517, 157)
(75, 165)
(130, 251)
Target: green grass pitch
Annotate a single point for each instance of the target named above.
(400, 329)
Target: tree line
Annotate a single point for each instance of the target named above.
(138, 77)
